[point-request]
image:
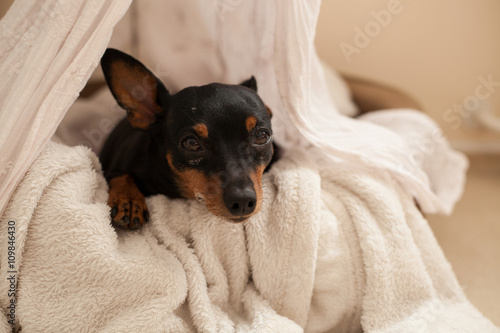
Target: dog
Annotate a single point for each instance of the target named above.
(211, 143)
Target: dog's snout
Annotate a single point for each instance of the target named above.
(240, 201)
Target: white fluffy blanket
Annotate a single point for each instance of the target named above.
(333, 250)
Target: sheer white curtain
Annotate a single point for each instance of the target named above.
(48, 50)
(199, 41)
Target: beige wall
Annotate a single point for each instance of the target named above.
(435, 50)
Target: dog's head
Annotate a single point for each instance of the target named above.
(217, 138)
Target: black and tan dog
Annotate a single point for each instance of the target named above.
(211, 143)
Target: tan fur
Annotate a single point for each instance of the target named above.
(269, 112)
(138, 99)
(127, 198)
(257, 185)
(193, 183)
(250, 123)
(201, 130)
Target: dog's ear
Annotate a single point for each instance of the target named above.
(250, 83)
(269, 112)
(135, 88)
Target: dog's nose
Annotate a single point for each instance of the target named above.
(240, 201)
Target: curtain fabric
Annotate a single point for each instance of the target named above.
(198, 41)
(48, 50)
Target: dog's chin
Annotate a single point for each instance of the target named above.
(231, 218)
(237, 220)
(225, 215)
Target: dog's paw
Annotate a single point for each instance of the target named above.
(128, 205)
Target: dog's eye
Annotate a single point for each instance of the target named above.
(262, 137)
(191, 144)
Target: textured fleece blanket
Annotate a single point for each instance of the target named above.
(333, 250)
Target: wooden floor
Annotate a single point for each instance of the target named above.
(470, 237)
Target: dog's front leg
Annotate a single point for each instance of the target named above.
(128, 205)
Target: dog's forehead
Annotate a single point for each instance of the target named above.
(218, 106)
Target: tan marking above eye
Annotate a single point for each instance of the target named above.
(250, 123)
(201, 130)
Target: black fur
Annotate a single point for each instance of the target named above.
(230, 153)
